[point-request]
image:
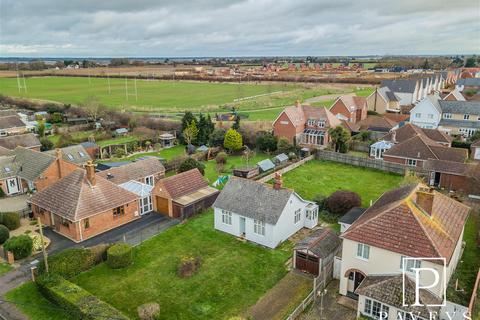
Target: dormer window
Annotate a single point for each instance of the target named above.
(321, 123)
(311, 122)
(81, 154)
(447, 116)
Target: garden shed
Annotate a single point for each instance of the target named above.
(317, 251)
(246, 172)
(266, 165)
(167, 140)
(282, 158)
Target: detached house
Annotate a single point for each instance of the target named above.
(306, 125)
(460, 117)
(264, 214)
(350, 109)
(403, 224)
(427, 113)
(83, 205)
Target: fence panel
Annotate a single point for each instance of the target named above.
(285, 169)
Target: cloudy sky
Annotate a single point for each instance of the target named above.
(119, 28)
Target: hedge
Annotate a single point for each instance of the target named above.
(70, 262)
(77, 301)
(11, 220)
(119, 256)
(21, 246)
(4, 234)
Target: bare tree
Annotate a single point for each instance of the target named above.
(93, 107)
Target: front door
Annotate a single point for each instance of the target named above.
(242, 226)
(146, 205)
(13, 186)
(354, 280)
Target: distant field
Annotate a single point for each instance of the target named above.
(168, 96)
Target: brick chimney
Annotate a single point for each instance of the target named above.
(277, 184)
(425, 200)
(90, 167)
(58, 156)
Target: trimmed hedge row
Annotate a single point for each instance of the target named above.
(4, 234)
(21, 246)
(11, 220)
(77, 301)
(119, 256)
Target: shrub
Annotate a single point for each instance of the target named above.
(149, 311)
(221, 158)
(188, 266)
(120, 152)
(320, 200)
(233, 140)
(78, 302)
(4, 234)
(99, 252)
(119, 255)
(190, 164)
(284, 146)
(36, 241)
(2, 193)
(21, 246)
(11, 220)
(266, 142)
(70, 262)
(328, 217)
(47, 144)
(341, 201)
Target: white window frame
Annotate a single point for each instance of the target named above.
(363, 251)
(411, 263)
(226, 217)
(447, 116)
(377, 305)
(297, 216)
(321, 123)
(418, 115)
(311, 122)
(412, 162)
(430, 116)
(70, 156)
(150, 180)
(259, 227)
(81, 154)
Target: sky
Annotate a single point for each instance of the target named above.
(201, 28)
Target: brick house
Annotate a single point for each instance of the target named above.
(305, 125)
(147, 171)
(23, 170)
(83, 205)
(349, 108)
(183, 195)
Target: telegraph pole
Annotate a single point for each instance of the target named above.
(45, 257)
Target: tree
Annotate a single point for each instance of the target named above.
(190, 133)
(47, 144)
(202, 137)
(217, 137)
(187, 119)
(340, 137)
(93, 107)
(56, 117)
(41, 128)
(341, 201)
(426, 65)
(284, 145)
(266, 142)
(236, 123)
(190, 164)
(233, 140)
(475, 136)
(471, 62)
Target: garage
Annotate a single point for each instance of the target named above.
(306, 262)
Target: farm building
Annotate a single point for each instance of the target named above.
(183, 195)
(316, 252)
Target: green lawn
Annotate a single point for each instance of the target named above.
(31, 302)
(364, 92)
(118, 140)
(4, 268)
(325, 177)
(232, 275)
(324, 104)
(232, 162)
(469, 264)
(152, 95)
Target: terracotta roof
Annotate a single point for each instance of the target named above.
(476, 144)
(397, 222)
(353, 103)
(350, 126)
(377, 123)
(11, 122)
(74, 198)
(422, 148)
(389, 289)
(410, 130)
(456, 168)
(181, 184)
(396, 117)
(28, 140)
(133, 171)
(300, 114)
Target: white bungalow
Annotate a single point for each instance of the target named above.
(264, 214)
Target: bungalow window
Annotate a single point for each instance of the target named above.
(376, 309)
(466, 116)
(298, 215)
(363, 251)
(418, 115)
(149, 180)
(64, 222)
(117, 212)
(368, 306)
(86, 223)
(409, 264)
(411, 162)
(259, 227)
(227, 217)
(447, 116)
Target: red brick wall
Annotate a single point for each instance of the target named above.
(284, 130)
(459, 183)
(401, 160)
(339, 107)
(52, 174)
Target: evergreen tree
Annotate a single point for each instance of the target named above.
(340, 137)
(202, 136)
(233, 140)
(187, 119)
(236, 124)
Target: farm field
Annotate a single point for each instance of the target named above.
(323, 177)
(232, 275)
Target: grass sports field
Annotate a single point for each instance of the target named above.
(152, 95)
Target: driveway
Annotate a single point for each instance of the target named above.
(14, 204)
(134, 233)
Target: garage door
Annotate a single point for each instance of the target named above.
(162, 205)
(306, 263)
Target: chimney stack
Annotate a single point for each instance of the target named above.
(298, 104)
(90, 167)
(425, 200)
(58, 156)
(277, 184)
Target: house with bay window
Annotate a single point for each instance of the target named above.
(261, 213)
(305, 125)
(406, 228)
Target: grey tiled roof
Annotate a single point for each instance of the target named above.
(31, 163)
(253, 199)
(469, 82)
(461, 107)
(460, 123)
(8, 167)
(402, 85)
(352, 215)
(75, 154)
(28, 140)
(321, 242)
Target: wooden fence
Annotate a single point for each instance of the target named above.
(473, 299)
(362, 162)
(285, 169)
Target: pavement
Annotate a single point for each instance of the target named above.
(14, 204)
